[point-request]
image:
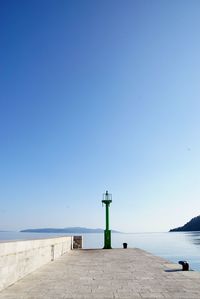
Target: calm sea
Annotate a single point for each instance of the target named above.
(171, 246)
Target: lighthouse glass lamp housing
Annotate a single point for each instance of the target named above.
(107, 199)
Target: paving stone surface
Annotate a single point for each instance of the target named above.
(116, 273)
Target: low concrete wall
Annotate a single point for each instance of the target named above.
(19, 258)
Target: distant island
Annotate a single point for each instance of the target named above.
(70, 230)
(192, 225)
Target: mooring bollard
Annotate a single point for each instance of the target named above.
(185, 265)
(125, 245)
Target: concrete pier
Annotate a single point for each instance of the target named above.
(117, 273)
(19, 258)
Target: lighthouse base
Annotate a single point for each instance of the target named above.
(107, 239)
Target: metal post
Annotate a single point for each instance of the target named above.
(107, 232)
(107, 217)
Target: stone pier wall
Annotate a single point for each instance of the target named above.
(77, 242)
(19, 258)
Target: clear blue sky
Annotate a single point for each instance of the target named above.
(98, 95)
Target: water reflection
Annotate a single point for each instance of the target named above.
(193, 237)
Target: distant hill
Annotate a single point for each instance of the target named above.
(71, 230)
(192, 225)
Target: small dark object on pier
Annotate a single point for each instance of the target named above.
(125, 245)
(185, 265)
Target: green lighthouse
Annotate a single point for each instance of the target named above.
(107, 199)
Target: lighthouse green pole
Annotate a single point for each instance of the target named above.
(107, 232)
